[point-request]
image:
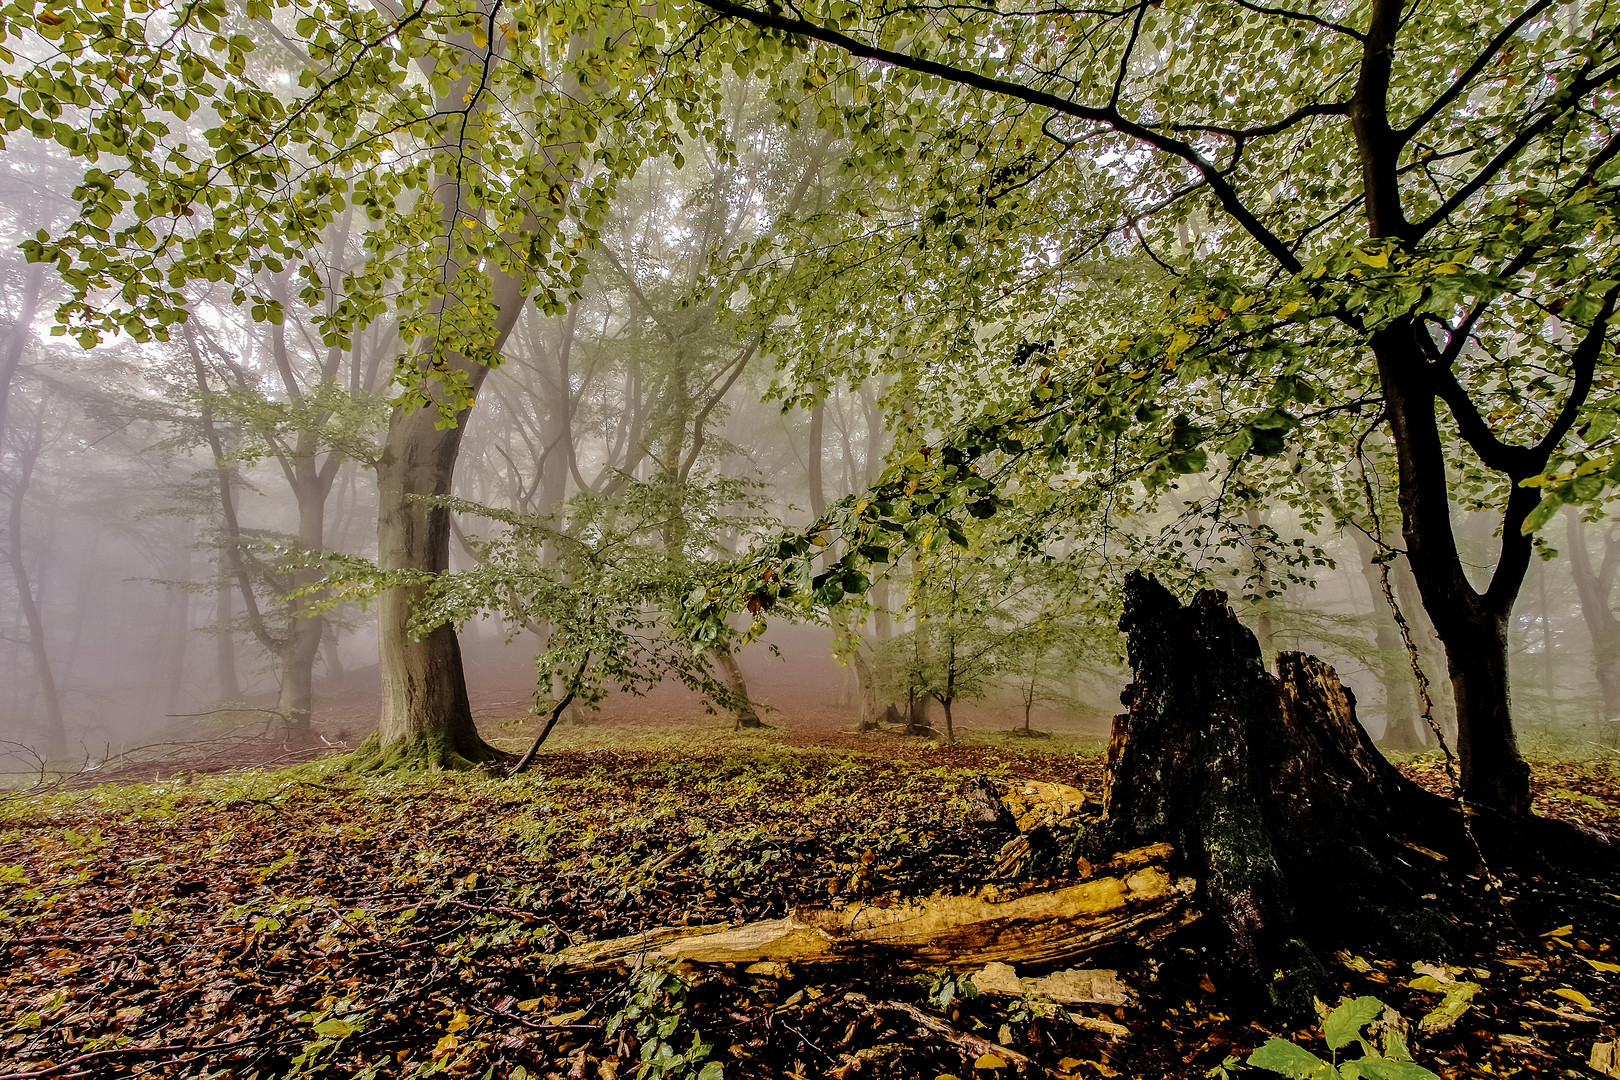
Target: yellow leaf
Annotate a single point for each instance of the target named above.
(459, 1022)
(529, 1006)
(1288, 309)
(1375, 259)
(1601, 965)
(1576, 996)
(1068, 1064)
(446, 1045)
(1562, 931)
(989, 1061)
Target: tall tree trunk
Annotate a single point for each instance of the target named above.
(1431, 651)
(1548, 664)
(178, 634)
(334, 654)
(227, 687)
(1471, 624)
(1594, 585)
(426, 718)
(1264, 629)
(818, 492)
(27, 457)
(305, 628)
(425, 710)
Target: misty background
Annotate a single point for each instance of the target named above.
(162, 500)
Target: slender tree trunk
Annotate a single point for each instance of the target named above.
(741, 706)
(1548, 673)
(1264, 629)
(818, 493)
(178, 634)
(1403, 720)
(334, 655)
(305, 629)
(1431, 651)
(55, 729)
(1471, 624)
(1594, 585)
(226, 685)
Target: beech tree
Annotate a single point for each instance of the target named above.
(480, 142)
(1398, 206)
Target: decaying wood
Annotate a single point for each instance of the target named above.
(1274, 797)
(1024, 805)
(1136, 898)
(1097, 986)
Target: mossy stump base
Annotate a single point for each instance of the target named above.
(426, 753)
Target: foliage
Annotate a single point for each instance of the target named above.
(216, 151)
(654, 1013)
(599, 578)
(1342, 1027)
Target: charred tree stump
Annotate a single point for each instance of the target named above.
(1274, 798)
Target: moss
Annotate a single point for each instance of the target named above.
(432, 752)
(1299, 980)
(1422, 933)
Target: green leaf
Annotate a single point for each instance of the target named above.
(1378, 1068)
(1282, 1056)
(335, 1029)
(1345, 1023)
(1543, 512)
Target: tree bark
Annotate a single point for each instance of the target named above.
(227, 687)
(1135, 899)
(1472, 624)
(425, 710)
(426, 718)
(1271, 793)
(1594, 585)
(737, 688)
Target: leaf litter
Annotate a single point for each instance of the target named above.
(311, 922)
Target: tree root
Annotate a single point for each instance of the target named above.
(425, 753)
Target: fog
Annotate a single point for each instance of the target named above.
(163, 499)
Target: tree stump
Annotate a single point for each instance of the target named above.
(1274, 798)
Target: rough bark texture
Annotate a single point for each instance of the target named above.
(425, 712)
(1274, 797)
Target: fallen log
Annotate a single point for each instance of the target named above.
(1134, 898)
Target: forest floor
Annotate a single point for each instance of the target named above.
(308, 921)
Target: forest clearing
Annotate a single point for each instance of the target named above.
(311, 921)
(721, 539)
